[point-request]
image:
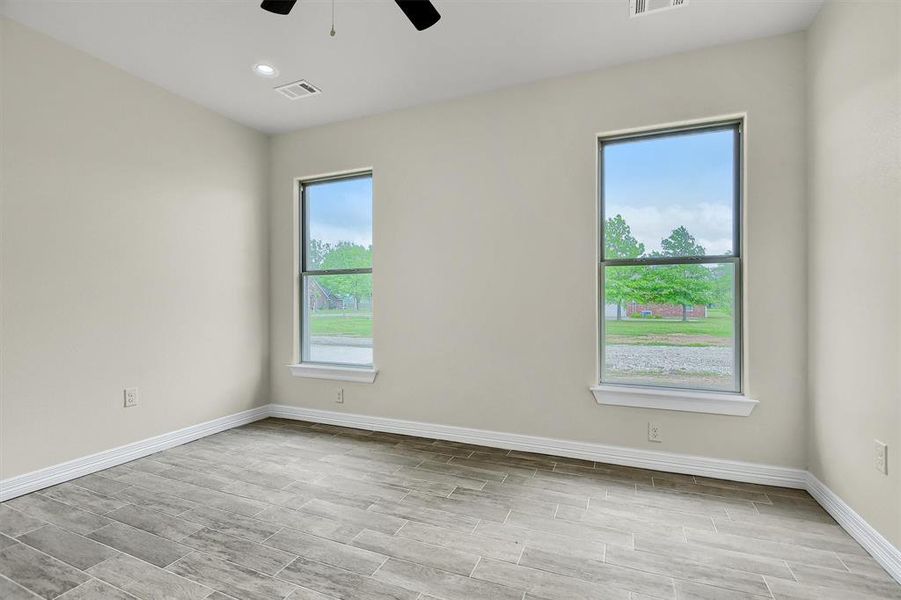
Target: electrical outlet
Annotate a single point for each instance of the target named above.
(654, 433)
(131, 397)
(881, 457)
(339, 399)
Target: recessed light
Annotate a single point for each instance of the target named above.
(265, 70)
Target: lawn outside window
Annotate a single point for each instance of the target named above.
(670, 269)
(334, 285)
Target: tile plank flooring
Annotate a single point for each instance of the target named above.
(291, 510)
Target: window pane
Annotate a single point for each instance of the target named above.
(337, 321)
(671, 326)
(673, 195)
(339, 224)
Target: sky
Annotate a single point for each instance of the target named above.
(341, 210)
(661, 183)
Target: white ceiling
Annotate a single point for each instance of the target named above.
(204, 49)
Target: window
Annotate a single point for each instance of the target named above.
(670, 260)
(336, 271)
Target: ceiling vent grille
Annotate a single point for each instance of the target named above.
(297, 90)
(639, 8)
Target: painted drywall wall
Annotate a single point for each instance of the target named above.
(854, 57)
(485, 227)
(133, 253)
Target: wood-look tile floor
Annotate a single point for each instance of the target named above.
(284, 509)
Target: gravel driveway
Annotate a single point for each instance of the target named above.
(337, 349)
(625, 359)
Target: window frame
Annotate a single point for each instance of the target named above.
(302, 272)
(736, 258)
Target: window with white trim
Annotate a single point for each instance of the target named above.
(335, 278)
(671, 260)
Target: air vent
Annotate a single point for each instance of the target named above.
(297, 90)
(639, 8)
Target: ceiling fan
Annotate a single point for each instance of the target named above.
(420, 12)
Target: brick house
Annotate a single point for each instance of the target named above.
(665, 311)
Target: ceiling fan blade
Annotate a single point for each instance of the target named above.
(279, 7)
(420, 12)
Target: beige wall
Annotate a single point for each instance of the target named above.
(484, 252)
(133, 254)
(855, 238)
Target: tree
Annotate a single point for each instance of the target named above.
(347, 255)
(681, 243)
(618, 239)
(685, 285)
(722, 287)
(316, 251)
(620, 282)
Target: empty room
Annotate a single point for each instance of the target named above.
(450, 299)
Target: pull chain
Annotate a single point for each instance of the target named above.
(332, 32)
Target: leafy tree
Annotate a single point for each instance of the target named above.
(620, 282)
(619, 241)
(681, 243)
(685, 285)
(722, 287)
(347, 255)
(316, 251)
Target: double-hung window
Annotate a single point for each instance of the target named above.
(335, 278)
(671, 260)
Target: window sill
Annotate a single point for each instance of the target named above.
(334, 372)
(714, 403)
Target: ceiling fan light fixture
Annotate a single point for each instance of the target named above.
(422, 13)
(279, 7)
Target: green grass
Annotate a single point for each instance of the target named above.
(341, 323)
(715, 330)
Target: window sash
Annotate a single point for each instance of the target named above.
(735, 258)
(652, 261)
(304, 338)
(735, 126)
(305, 220)
(361, 271)
(736, 324)
(304, 272)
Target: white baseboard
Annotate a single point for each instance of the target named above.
(882, 550)
(885, 553)
(631, 457)
(36, 480)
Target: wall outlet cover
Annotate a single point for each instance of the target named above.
(130, 397)
(881, 456)
(655, 433)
